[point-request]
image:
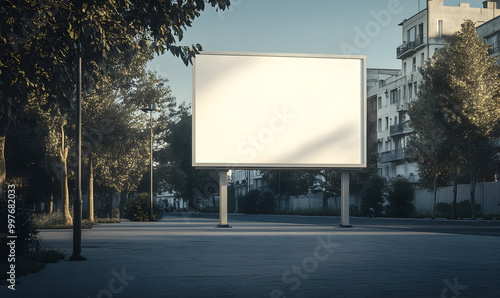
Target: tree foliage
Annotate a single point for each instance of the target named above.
(372, 196)
(175, 172)
(287, 183)
(401, 194)
(40, 42)
(458, 111)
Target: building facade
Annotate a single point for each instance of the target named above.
(422, 35)
(246, 180)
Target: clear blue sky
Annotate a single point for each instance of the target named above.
(293, 26)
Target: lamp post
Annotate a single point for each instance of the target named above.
(152, 108)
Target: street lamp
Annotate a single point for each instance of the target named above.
(152, 108)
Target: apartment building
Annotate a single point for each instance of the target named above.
(490, 31)
(422, 35)
(246, 180)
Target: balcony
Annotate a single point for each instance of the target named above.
(401, 128)
(393, 155)
(495, 48)
(409, 48)
(403, 107)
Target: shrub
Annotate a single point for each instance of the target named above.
(444, 210)
(464, 209)
(354, 210)
(138, 208)
(400, 197)
(251, 200)
(266, 203)
(372, 196)
(23, 227)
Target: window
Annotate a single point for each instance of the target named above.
(412, 34)
(379, 124)
(414, 64)
(410, 89)
(379, 101)
(416, 89)
(386, 123)
(404, 68)
(394, 96)
(422, 59)
(440, 28)
(404, 92)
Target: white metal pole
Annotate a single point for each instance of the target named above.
(223, 199)
(344, 205)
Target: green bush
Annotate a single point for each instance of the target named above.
(55, 220)
(250, 202)
(138, 208)
(444, 210)
(266, 203)
(400, 197)
(464, 209)
(354, 210)
(23, 226)
(34, 258)
(372, 196)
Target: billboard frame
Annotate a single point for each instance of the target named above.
(252, 165)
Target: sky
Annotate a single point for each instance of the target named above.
(357, 27)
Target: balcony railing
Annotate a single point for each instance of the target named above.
(401, 128)
(409, 47)
(495, 48)
(393, 155)
(402, 107)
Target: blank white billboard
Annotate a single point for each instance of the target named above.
(256, 110)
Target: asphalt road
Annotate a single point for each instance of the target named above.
(184, 255)
(466, 227)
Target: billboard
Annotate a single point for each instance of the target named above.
(262, 110)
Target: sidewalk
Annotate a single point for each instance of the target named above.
(188, 257)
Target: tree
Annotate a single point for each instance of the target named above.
(288, 183)
(372, 196)
(462, 84)
(401, 194)
(175, 172)
(40, 42)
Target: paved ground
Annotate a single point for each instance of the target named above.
(273, 256)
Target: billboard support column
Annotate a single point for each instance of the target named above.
(344, 205)
(223, 200)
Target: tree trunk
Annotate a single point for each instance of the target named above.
(435, 197)
(91, 189)
(51, 203)
(472, 197)
(63, 154)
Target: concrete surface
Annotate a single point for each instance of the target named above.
(184, 255)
